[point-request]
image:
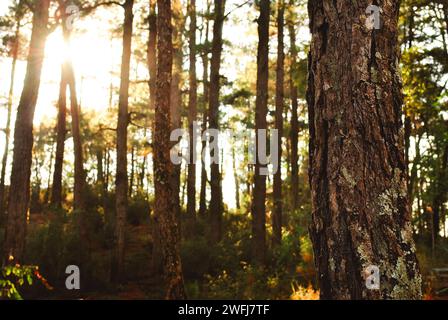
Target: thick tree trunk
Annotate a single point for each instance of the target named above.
(165, 209)
(15, 53)
(294, 134)
(19, 193)
(261, 110)
(279, 101)
(61, 131)
(121, 182)
(192, 113)
(216, 205)
(361, 216)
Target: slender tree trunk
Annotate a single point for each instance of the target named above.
(176, 94)
(152, 55)
(261, 110)
(361, 215)
(279, 102)
(192, 114)
(50, 173)
(165, 209)
(157, 263)
(205, 84)
(61, 131)
(294, 134)
(440, 197)
(99, 167)
(121, 182)
(216, 205)
(132, 174)
(237, 180)
(79, 192)
(15, 54)
(19, 193)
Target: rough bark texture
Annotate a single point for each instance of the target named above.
(19, 193)
(261, 110)
(279, 101)
(165, 209)
(15, 53)
(121, 182)
(216, 205)
(192, 113)
(294, 134)
(357, 167)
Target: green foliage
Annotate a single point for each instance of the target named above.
(12, 277)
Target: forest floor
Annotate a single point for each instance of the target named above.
(141, 285)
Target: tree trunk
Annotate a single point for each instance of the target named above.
(205, 84)
(216, 205)
(176, 94)
(235, 177)
(261, 110)
(192, 113)
(79, 205)
(50, 173)
(440, 197)
(132, 174)
(279, 101)
(15, 53)
(164, 208)
(121, 182)
(294, 134)
(361, 215)
(152, 55)
(19, 193)
(61, 131)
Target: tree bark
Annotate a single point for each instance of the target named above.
(61, 132)
(205, 84)
(192, 113)
(176, 94)
(152, 53)
(19, 193)
(165, 209)
(261, 110)
(79, 192)
(236, 178)
(216, 205)
(121, 182)
(279, 101)
(15, 54)
(361, 216)
(294, 134)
